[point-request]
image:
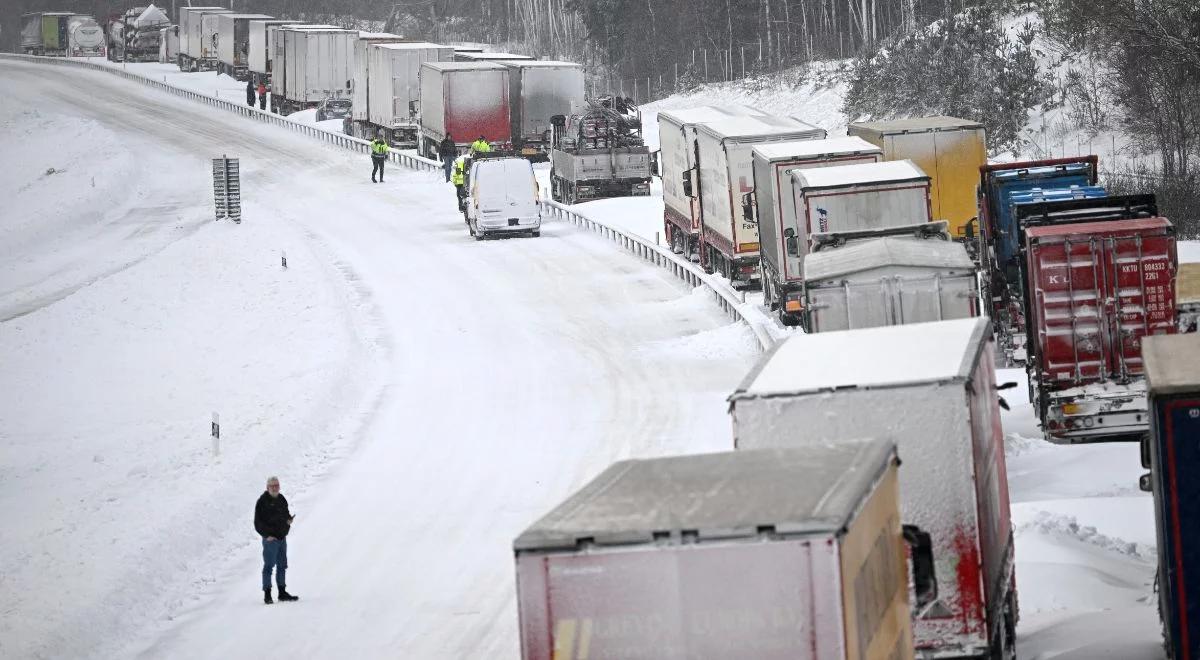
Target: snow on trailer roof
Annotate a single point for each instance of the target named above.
(859, 256)
(871, 357)
(493, 56)
(541, 63)
(250, 16)
(463, 66)
(916, 125)
(803, 149)
(151, 15)
(813, 490)
(751, 126)
(408, 45)
(710, 113)
(892, 171)
(1172, 363)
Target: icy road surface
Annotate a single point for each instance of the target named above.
(421, 396)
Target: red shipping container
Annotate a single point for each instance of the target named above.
(1095, 289)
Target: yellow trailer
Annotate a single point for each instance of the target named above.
(948, 149)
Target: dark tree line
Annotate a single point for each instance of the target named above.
(1153, 48)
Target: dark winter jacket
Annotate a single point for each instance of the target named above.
(447, 149)
(271, 516)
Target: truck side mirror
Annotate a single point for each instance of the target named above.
(969, 228)
(748, 206)
(1144, 445)
(687, 183)
(1145, 484)
(654, 164)
(413, 108)
(924, 579)
(792, 247)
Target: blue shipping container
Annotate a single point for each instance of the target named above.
(1173, 374)
(1003, 184)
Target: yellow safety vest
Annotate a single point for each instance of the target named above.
(481, 146)
(456, 176)
(378, 147)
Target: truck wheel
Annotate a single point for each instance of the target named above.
(536, 233)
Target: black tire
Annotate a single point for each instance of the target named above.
(535, 233)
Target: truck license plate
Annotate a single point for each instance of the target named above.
(513, 222)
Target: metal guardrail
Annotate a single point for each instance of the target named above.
(662, 257)
(729, 301)
(339, 139)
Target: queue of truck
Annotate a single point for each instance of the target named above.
(901, 252)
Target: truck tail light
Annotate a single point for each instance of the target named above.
(794, 306)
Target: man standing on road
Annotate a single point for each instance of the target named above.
(262, 95)
(379, 154)
(250, 93)
(447, 151)
(272, 520)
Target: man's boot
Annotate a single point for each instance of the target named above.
(285, 596)
(267, 596)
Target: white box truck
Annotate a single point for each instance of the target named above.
(361, 85)
(752, 554)
(197, 37)
(168, 45)
(677, 155)
(258, 61)
(539, 90)
(931, 387)
(723, 174)
(768, 206)
(391, 90)
(835, 204)
(233, 44)
(311, 64)
(890, 280)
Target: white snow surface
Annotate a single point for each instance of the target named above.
(852, 175)
(422, 397)
(138, 540)
(889, 355)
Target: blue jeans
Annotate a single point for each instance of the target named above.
(447, 165)
(275, 556)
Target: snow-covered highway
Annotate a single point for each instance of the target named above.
(421, 396)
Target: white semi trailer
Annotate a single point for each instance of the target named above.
(198, 37)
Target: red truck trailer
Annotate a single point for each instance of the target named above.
(464, 100)
(1099, 277)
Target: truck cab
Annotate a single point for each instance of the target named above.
(502, 197)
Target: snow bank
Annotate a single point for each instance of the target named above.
(310, 117)
(817, 99)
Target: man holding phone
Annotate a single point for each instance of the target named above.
(272, 520)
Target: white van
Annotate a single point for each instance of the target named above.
(502, 198)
